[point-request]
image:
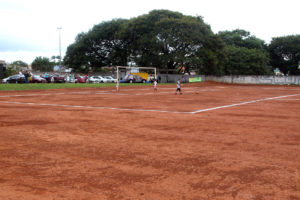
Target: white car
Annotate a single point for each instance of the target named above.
(5, 80)
(110, 79)
(97, 79)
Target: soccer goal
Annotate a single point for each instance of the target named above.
(145, 73)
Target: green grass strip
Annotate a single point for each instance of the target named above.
(47, 86)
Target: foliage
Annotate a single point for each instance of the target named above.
(9, 72)
(246, 54)
(42, 64)
(162, 38)
(55, 59)
(99, 47)
(244, 61)
(285, 54)
(242, 38)
(166, 39)
(18, 64)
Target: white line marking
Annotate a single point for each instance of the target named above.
(185, 90)
(94, 107)
(289, 99)
(151, 110)
(243, 103)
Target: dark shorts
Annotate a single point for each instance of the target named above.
(178, 89)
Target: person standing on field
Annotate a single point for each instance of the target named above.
(117, 85)
(26, 77)
(178, 87)
(155, 85)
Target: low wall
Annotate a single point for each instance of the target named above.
(276, 80)
(172, 78)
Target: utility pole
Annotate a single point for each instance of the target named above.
(59, 29)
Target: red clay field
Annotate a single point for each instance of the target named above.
(216, 141)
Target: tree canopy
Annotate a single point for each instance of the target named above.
(42, 64)
(246, 54)
(18, 64)
(170, 40)
(285, 54)
(162, 39)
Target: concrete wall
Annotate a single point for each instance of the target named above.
(172, 78)
(276, 80)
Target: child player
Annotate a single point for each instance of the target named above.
(155, 85)
(178, 87)
(117, 85)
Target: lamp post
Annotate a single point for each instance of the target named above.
(59, 29)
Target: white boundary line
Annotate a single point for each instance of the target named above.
(243, 103)
(151, 110)
(93, 107)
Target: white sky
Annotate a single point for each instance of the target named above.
(29, 27)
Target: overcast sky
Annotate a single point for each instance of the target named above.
(29, 27)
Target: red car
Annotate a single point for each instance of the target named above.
(58, 78)
(80, 79)
(37, 79)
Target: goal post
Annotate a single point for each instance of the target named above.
(139, 69)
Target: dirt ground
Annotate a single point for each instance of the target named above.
(216, 141)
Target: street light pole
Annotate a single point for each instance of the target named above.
(59, 29)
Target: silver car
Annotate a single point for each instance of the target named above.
(110, 79)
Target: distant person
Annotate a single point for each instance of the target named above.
(155, 85)
(178, 87)
(47, 77)
(21, 75)
(117, 85)
(30, 77)
(26, 77)
(159, 79)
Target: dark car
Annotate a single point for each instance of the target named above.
(58, 78)
(15, 79)
(132, 78)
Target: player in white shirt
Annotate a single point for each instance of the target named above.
(178, 87)
(155, 85)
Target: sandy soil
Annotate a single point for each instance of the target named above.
(94, 143)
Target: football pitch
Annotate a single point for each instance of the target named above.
(216, 141)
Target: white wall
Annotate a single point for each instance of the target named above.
(276, 80)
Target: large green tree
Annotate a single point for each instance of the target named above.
(18, 64)
(98, 47)
(162, 39)
(246, 54)
(285, 54)
(42, 64)
(169, 40)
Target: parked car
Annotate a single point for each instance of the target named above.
(5, 80)
(132, 78)
(98, 79)
(37, 79)
(56, 78)
(110, 79)
(47, 77)
(94, 79)
(81, 79)
(14, 79)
